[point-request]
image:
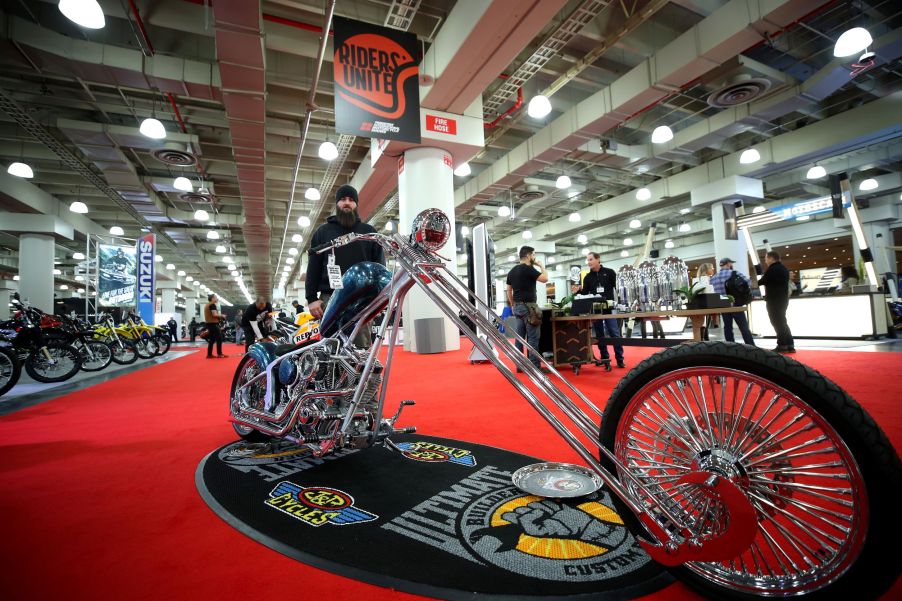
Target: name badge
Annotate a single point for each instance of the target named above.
(334, 273)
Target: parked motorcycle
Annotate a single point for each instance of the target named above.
(10, 369)
(45, 359)
(124, 350)
(95, 354)
(747, 473)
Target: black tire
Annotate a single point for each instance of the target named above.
(860, 567)
(247, 368)
(38, 367)
(10, 370)
(145, 347)
(124, 352)
(95, 355)
(163, 343)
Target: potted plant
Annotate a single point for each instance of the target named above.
(562, 306)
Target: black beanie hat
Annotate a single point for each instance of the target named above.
(346, 190)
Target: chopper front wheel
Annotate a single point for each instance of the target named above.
(821, 475)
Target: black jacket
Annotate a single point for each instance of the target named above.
(345, 256)
(776, 279)
(604, 278)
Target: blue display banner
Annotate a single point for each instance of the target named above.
(146, 292)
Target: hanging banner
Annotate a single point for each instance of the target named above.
(146, 248)
(377, 93)
(116, 275)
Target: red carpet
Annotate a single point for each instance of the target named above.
(99, 501)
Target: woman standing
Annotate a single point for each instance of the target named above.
(849, 278)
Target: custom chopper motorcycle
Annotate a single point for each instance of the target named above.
(746, 473)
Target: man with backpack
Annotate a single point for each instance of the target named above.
(736, 284)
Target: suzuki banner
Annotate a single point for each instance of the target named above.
(146, 283)
(116, 275)
(377, 93)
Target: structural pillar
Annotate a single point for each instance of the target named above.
(426, 181)
(878, 246)
(168, 291)
(7, 287)
(190, 305)
(726, 248)
(36, 253)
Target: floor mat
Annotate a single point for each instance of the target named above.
(441, 518)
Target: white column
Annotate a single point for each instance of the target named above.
(168, 304)
(190, 306)
(877, 245)
(723, 248)
(7, 287)
(426, 181)
(36, 252)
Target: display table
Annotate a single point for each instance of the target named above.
(572, 336)
(827, 316)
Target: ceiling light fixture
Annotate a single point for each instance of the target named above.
(20, 170)
(635, 223)
(627, 241)
(504, 211)
(312, 194)
(661, 134)
(180, 273)
(152, 128)
(868, 184)
(170, 266)
(816, 172)
(289, 260)
(220, 248)
(538, 107)
(328, 151)
(685, 227)
(563, 182)
(574, 217)
(643, 194)
(78, 256)
(212, 235)
(304, 221)
(201, 215)
(389, 226)
(117, 231)
(852, 41)
(668, 244)
(685, 211)
(182, 183)
(189, 279)
(464, 231)
(582, 238)
(84, 13)
(749, 156)
(78, 207)
(527, 235)
(297, 238)
(624, 253)
(292, 251)
(463, 170)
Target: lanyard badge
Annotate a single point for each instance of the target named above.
(334, 272)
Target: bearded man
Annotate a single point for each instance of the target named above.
(345, 221)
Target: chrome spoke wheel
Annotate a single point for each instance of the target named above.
(251, 397)
(799, 475)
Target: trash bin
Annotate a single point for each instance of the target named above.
(430, 335)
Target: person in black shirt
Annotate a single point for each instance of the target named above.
(602, 281)
(253, 322)
(173, 329)
(776, 283)
(345, 221)
(298, 307)
(521, 289)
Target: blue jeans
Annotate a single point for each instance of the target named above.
(742, 322)
(239, 333)
(608, 328)
(530, 332)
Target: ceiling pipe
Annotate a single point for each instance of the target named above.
(311, 108)
(509, 111)
(273, 18)
(141, 28)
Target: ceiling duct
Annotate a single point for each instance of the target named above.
(740, 81)
(200, 197)
(532, 193)
(174, 154)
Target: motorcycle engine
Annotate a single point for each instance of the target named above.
(316, 375)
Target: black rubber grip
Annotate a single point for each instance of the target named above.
(320, 247)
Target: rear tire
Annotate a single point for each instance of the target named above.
(247, 369)
(67, 358)
(846, 485)
(163, 343)
(10, 370)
